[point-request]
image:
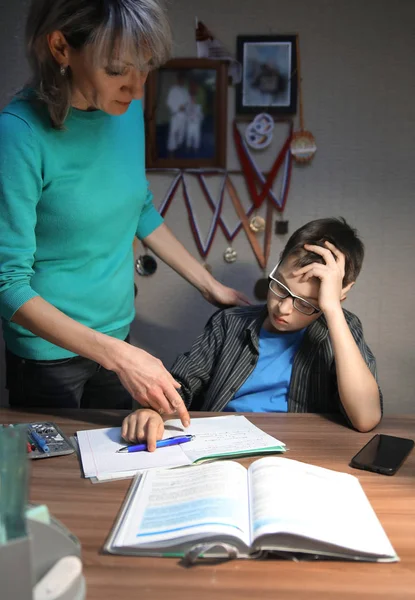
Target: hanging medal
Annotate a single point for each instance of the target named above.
(258, 136)
(303, 144)
(253, 177)
(257, 224)
(145, 264)
(230, 255)
(261, 288)
(262, 256)
(281, 227)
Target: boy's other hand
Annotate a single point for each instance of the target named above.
(330, 275)
(143, 425)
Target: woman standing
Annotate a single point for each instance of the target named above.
(73, 195)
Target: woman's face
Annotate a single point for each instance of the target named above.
(110, 88)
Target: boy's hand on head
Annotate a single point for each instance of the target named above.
(330, 275)
(143, 425)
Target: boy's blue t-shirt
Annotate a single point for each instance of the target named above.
(266, 389)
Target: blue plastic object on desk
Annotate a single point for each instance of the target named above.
(39, 441)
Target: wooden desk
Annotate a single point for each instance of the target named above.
(89, 510)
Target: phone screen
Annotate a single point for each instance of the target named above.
(383, 453)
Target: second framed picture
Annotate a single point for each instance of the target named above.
(185, 114)
(269, 75)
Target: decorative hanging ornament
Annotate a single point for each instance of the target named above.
(230, 255)
(146, 265)
(258, 134)
(208, 46)
(303, 144)
(257, 224)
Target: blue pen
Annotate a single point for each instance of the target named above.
(39, 441)
(173, 441)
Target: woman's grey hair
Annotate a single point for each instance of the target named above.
(109, 28)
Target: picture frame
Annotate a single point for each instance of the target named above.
(186, 114)
(269, 75)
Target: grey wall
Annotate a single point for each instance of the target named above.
(359, 85)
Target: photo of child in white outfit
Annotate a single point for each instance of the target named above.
(185, 114)
(194, 115)
(177, 101)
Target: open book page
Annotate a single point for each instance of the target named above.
(216, 437)
(197, 503)
(288, 496)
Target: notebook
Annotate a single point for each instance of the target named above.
(214, 438)
(277, 506)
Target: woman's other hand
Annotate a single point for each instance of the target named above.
(221, 296)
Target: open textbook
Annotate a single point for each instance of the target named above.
(214, 437)
(276, 506)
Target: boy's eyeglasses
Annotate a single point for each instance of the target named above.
(281, 291)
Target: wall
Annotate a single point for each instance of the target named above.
(359, 85)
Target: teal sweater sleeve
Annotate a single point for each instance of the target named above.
(20, 191)
(150, 219)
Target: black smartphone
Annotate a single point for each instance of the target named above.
(383, 454)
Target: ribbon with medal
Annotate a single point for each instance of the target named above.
(303, 144)
(260, 187)
(262, 256)
(203, 247)
(254, 178)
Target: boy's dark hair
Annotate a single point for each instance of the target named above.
(336, 231)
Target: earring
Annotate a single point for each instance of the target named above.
(63, 70)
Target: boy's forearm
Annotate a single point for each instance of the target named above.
(358, 389)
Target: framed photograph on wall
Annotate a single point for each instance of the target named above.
(186, 114)
(269, 74)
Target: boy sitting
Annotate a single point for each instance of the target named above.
(300, 353)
